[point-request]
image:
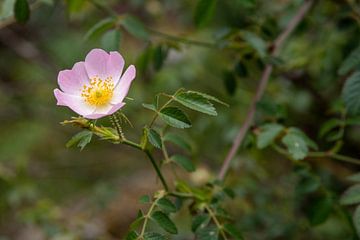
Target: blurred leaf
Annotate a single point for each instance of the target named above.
(296, 145)
(240, 69)
(356, 220)
(159, 56)
(100, 27)
(328, 126)
(309, 142)
(351, 93)
(135, 27)
(166, 205)
(354, 178)
(110, 41)
(183, 162)
(74, 6)
(351, 195)
(144, 199)
(81, 139)
(200, 221)
(196, 102)
(154, 138)
(207, 233)
(267, 135)
(153, 236)
(230, 82)
(351, 62)
(232, 231)
(149, 106)
(204, 11)
(175, 117)
(132, 235)
(164, 222)
(256, 42)
(22, 11)
(209, 97)
(320, 209)
(177, 140)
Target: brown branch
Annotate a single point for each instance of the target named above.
(274, 51)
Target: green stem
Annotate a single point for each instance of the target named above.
(216, 221)
(146, 219)
(162, 179)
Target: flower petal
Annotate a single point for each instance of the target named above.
(72, 81)
(115, 65)
(75, 103)
(122, 88)
(95, 63)
(105, 111)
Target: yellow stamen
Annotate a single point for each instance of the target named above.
(98, 92)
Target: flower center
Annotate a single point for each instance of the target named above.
(98, 92)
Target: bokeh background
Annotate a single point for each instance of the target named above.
(48, 191)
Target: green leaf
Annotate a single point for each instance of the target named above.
(310, 143)
(164, 222)
(354, 178)
(196, 102)
(240, 69)
(296, 145)
(267, 135)
(110, 41)
(183, 162)
(100, 27)
(175, 117)
(328, 126)
(144, 199)
(204, 11)
(256, 42)
(154, 138)
(230, 83)
(149, 106)
(153, 236)
(81, 139)
(177, 140)
(320, 210)
(159, 56)
(22, 11)
(351, 195)
(132, 235)
(351, 93)
(232, 231)
(207, 233)
(210, 98)
(200, 221)
(166, 205)
(351, 62)
(135, 27)
(356, 220)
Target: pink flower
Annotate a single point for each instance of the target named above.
(95, 88)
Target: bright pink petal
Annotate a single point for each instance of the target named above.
(72, 81)
(95, 63)
(122, 88)
(115, 65)
(105, 111)
(75, 103)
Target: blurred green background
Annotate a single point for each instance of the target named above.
(50, 192)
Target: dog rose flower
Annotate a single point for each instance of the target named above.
(96, 87)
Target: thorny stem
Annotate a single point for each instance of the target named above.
(262, 85)
(216, 221)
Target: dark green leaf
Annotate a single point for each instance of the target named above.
(132, 235)
(320, 210)
(100, 27)
(207, 233)
(110, 41)
(153, 236)
(352, 61)
(356, 220)
(209, 97)
(135, 27)
(144, 199)
(154, 138)
(267, 135)
(175, 117)
(203, 12)
(230, 82)
(351, 93)
(256, 42)
(328, 126)
(22, 11)
(159, 55)
(196, 102)
(351, 195)
(177, 140)
(164, 222)
(232, 231)
(81, 139)
(240, 69)
(184, 162)
(200, 221)
(166, 205)
(310, 143)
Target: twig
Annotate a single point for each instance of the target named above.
(274, 50)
